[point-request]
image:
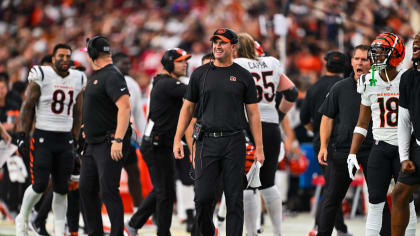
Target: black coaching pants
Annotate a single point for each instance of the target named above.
(339, 182)
(160, 201)
(338, 221)
(100, 180)
(220, 157)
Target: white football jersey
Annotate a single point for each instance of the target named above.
(54, 111)
(383, 101)
(266, 72)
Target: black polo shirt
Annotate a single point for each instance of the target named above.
(99, 110)
(410, 97)
(343, 105)
(165, 104)
(226, 91)
(314, 98)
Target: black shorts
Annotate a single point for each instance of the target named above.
(383, 164)
(412, 178)
(51, 153)
(271, 142)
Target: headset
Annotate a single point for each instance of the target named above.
(168, 60)
(93, 53)
(235, 39)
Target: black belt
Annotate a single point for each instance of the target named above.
(218, 134)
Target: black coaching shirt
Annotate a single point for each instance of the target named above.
(165, 104)
(99, 110)
(410, 97)
(226, 90)
(343, 105)
(313, 100)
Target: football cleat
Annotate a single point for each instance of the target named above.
(21, 226)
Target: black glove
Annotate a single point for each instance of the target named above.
(22, 143)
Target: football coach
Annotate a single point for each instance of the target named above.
(106, 114)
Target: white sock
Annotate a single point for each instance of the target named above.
(180, 208)
(59, 208)
(221, 213)
(282, 183)
(374, 219)
(222, 207)
(411, 227)
(185, 199)
(251, 212)
(30, 198)
(187, 196)
(258, 209)
(274, 206)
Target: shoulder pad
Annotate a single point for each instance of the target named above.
(361, 84)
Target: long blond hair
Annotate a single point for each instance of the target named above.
(246, 46)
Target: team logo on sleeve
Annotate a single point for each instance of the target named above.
(232, 78)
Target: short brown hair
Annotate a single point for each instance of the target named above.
(362, 47)
(246, 46)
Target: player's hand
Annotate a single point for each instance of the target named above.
(322, 156)
(5, 136)
(352, 164)
(116, 151)
(22, 143)
(178, 149)
(259, 155)
(408, 166)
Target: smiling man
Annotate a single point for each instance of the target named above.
(54, 100)
(222, 88)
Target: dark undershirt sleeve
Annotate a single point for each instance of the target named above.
(403, 100)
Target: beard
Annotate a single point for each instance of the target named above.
(59, 66)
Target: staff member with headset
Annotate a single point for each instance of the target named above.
(222, 88)
(311, 118)
(165, 105)
(106, 114)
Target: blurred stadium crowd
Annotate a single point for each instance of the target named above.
(142, 29)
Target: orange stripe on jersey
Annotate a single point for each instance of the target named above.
(31, 157)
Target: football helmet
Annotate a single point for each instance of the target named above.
(259, 49)
(249, 158)
(298, 165)
(386, 49)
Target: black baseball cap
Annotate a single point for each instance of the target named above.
(226, 35)
(179, 54)
(335, 57)
(336, 61)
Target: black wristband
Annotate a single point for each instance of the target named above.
(118, 140)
